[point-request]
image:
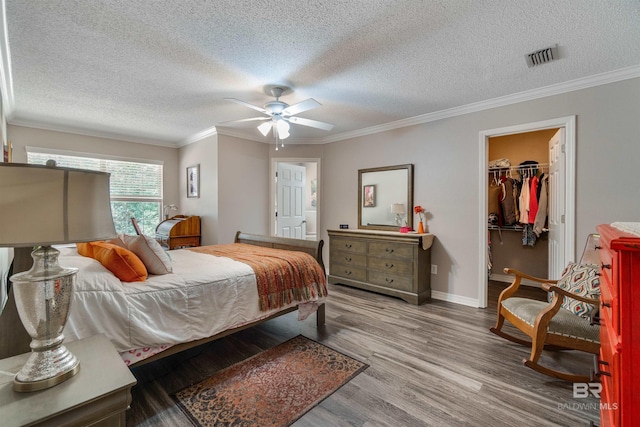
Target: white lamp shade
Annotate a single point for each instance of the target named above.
(42, 205)
(265, 128)
(398, 208)
(283, 129)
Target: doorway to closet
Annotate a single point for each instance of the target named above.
(537, 153)
(295, 192)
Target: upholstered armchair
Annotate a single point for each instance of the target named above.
(565, 322)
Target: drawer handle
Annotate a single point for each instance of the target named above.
(607, 266)
(388, 265)
(386, 279)
(348, 273)
(348, 259)
(347, 245)
(389, 251)
(603, 362)
(605, 304)
(596, 247)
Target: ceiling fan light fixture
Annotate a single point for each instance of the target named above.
(283, 129)
(265, 128)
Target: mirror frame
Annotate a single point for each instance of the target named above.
(409, 168)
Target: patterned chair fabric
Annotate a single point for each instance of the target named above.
(583, 280)
(564, 323)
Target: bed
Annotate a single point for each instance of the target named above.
(209, 294)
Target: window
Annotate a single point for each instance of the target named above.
(136, 186)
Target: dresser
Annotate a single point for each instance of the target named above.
(390, 263)
(179, 232)
(98, 395)
(618, 364)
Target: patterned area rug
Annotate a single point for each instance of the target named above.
(272, 388)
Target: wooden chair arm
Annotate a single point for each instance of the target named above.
(528, 277)
(513, 287)
(552, 288)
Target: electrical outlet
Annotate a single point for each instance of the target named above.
(434, 269)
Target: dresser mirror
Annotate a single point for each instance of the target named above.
(384, 193)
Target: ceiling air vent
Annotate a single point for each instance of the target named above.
(542, 56)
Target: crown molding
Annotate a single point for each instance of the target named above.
(199, 136)
(90, 132)
(528, 95)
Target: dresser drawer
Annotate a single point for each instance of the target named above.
(349, 259)
(393, 281)
(608, 270)
(609, 368)
(390, 250)
(348, 245)
(609, 305)
(390, 265)
(347, 272)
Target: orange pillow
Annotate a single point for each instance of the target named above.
(85, 249)
(120, 261)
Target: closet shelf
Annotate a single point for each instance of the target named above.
(510, 228)
(516, 168)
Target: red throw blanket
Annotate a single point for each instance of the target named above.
(282, 276)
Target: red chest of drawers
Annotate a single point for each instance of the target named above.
(619, 359)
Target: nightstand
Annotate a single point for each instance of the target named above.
(98, 395)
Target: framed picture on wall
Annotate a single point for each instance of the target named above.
(369, 192)
(193, 181)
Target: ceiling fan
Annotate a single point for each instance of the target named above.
(280, 114)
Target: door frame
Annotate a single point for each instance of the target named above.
(272, 189)
(569, 124)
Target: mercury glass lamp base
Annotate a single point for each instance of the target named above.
(43, 298)
(46, 369)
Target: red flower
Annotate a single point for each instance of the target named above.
(420, 211)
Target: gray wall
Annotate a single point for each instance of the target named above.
(446, 155)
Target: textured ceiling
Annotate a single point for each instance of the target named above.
(157, 71)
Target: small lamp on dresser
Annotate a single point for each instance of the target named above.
(399, 211)
(49, 205)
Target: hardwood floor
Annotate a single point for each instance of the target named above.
(431, 365)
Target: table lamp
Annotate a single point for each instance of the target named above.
(42, 206)
(399, 210)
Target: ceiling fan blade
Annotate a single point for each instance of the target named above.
(305, 105)
(246, 104)
(311, 123)
(245, 120)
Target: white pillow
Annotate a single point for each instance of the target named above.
(150, 252)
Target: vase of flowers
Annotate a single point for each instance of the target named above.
(420, 211)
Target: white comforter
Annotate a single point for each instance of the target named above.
(203, 296)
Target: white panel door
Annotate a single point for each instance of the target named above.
(290, 190)
(557, 205)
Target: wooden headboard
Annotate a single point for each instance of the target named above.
(312, 247)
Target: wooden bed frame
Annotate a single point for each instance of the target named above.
(15, 340)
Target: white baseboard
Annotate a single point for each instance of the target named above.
(444, 296)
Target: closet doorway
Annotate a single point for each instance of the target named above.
(295, 192)
(552, 144)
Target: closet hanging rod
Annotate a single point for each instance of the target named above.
(525, 167)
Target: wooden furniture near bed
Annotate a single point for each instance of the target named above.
(618, 366)
(390, 263)
(98, 395)
(179, 232)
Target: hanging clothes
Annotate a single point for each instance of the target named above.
(524, 201)
(543, 205)
(528, 236)
(507, 202)
(533, 199)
